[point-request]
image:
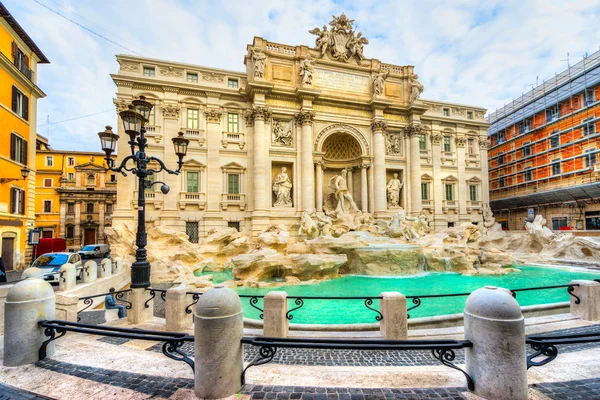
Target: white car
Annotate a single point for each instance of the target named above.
(51, 262)
(94, 251)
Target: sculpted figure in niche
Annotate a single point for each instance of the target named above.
(345, 203)
(323, 39)
(282, 187)
(282, 134)
(415, 88)
(393, 143)
(393, 191)
(378, 83)
(259, 63)
(307, 70)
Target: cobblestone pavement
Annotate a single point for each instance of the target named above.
(585, 389)
(12, 393)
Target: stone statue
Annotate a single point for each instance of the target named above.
(344, 202)
(325, 224)
(282, 187)
(393, 191)
(393, 143)
(538, 230)
(307, 70)
(308, 226)
(488, 217)
(259, 58)
(322, 42)
(398, 226)
(356, 45)
(421, 225)
(378, 83)
(282, 134)
(415, 88)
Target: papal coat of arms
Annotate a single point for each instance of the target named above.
(340, 42)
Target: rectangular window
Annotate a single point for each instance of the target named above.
(528, 175)
(70, 208)
(18, 149)
(233, 224)
(152, 116)
(191, 229)
(501, 137)
(422, 142)
(527, 124)
(526, 150)
(473, 192)
(551, 114)
(521, 127)
(109, 207)
(71, 161)
(49, 161)
(500, 159)
(560, 222)
(554, 141)
(501, 182)
(149, 181)
(47, 182)
(149, 71)
(89, 208)
(192, 77)
(192, 182)
(70, 176)
(589, 96)
(70, 232)
(446, 112)
(233, 124)
(113, 177)
(449, 191)
(233, 183)
(555, 168)
(232, 83)
(590, 158)
(20, 103)
(47, 206)
(469, 114)
(17, 201)
(589, 128)
(424, 191)
(192, 118)
(471, 146)
(447, 145)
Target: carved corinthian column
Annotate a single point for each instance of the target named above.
(378, 127)
(319, 194)
(260, 114)
(412, 132)
(305, 119)
(484, 145)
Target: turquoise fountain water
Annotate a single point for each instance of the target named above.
(354, 311)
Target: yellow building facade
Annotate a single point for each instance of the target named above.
(75, 195)
(19, 58)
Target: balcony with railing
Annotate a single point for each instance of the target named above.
(474, 205)
(153, 131)
(20, 65)
(228, 199)
(450, 206)
(195, 134)
(152, 198)
(234, 138)
(192, 199)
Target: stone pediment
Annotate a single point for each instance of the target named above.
(89, 166)
(233, 166)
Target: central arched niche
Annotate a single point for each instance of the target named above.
(341, 146)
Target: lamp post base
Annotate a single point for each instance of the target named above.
(140, 274)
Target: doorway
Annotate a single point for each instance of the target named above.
(89, 237)
(8, 253)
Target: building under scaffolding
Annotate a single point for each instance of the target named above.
(543, 154)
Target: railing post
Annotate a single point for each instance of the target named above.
(176, 302)
(28, 302)
(90, 272)
(68, 277)
(105, 268)
(588, 293)
(497, 361)
(117, 265)
(275, 310)
(219, 328)
(66, 307)
(139, 313)
(394, 325)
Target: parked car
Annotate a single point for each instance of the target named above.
(51, 262)
(94, 251)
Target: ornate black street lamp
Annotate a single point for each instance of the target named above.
(134, 120)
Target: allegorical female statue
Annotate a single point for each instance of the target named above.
(282, 187)
(393, 191)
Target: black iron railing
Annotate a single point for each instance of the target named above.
(89, 300)
(442, 350)
(172, 340)
(195, 298)
(368, 302)
(163, 295)
(253, 302)
(545, 346)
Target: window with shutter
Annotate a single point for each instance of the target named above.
(22, 202)
(25, 112)
(13, 201)
(13, 146)
(15, 100)
(23, 151)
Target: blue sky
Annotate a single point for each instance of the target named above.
(475, 52)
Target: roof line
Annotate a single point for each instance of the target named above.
(22, 34)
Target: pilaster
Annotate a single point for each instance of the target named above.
(305, 120)
(462, 182)
(378, 127)
(413, 131)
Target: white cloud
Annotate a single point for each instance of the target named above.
(468, 51)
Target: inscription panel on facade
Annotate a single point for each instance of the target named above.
(342, 81)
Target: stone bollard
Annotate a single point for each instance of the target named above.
(219, 328)
(588, 292)
(177, 300)
(90, 272)
(497, 361)
(3, 293)
(68, 277)
(28, 302)
(105, 268)
(275, 310)
(140, 312)
(33, 272)
(394, 325)
(117, 265)
(66, 307)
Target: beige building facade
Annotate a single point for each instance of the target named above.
(269, 142)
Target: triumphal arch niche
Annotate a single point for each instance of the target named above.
(320, 129)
